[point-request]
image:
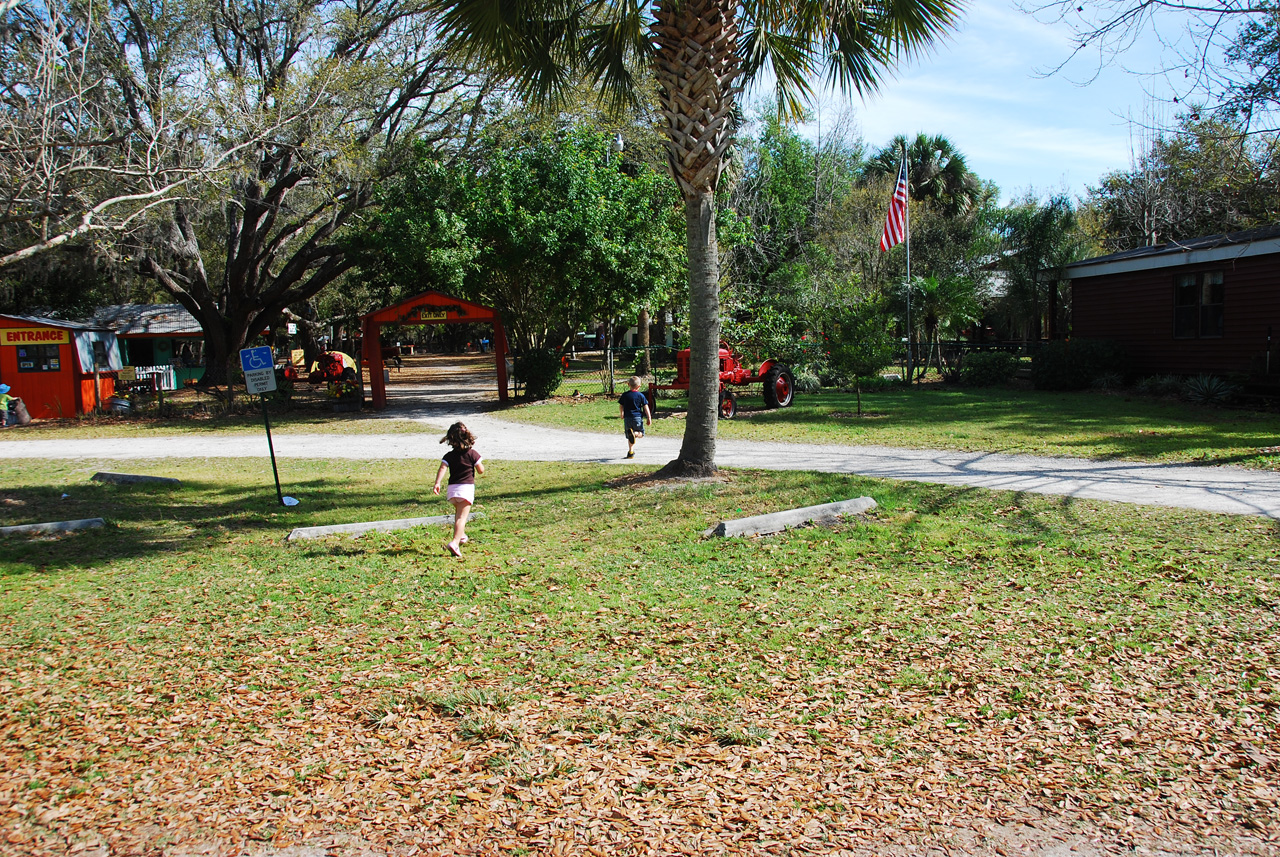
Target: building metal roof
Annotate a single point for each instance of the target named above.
(45, 321)
(1262, 241)
(147, 320)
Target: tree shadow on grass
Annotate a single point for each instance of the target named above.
(149, 520)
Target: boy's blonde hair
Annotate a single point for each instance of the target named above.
(634, 382)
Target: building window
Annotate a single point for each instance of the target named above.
(1197, 305)
(39, 358)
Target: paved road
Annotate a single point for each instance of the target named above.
(1216, 489)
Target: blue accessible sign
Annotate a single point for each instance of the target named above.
(259, 369)
(260, 377)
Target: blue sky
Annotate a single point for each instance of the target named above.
(986, 91)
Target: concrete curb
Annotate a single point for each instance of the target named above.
(369, 526)
(52, 527)
(131, 479)
(776, 522)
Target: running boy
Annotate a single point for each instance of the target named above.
(462, 462)
(634, 409)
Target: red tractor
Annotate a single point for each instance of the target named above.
(779, 383)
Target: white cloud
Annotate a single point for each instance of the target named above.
(987, 93)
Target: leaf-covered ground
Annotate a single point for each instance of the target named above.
(968, 672)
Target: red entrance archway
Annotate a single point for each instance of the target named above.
(427, 308)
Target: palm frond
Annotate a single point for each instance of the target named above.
(791, 61)
(533, 43)
(613, 46)
(860, 41)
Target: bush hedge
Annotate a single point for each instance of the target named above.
(540, 371)
(1073, 364)
(987, 369)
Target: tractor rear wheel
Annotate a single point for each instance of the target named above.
(728, 405)
(779, 386)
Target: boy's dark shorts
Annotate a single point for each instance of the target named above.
(633, 430)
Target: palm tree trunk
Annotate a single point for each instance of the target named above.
(697, 69)
(698, 450)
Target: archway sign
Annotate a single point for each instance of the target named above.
(427, 308)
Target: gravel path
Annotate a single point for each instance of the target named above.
(469, 394)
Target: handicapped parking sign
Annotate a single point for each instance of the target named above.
(259, 369)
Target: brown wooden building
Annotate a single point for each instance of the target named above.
(1204, 305)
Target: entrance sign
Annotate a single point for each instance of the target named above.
(259, 369)
(34, 336)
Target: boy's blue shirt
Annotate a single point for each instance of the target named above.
(633, 404)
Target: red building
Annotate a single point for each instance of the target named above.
(1204, 305)
(50, 364)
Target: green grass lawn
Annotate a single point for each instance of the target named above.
(594, 673)
(1087, 424)
(291, 422)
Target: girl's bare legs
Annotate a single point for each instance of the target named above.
(461, 510)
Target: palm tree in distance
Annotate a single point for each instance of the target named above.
(936, 172)
(703, 53)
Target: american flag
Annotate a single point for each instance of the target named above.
(895, 222)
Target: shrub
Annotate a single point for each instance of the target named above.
(987, 369)
(807, 380)
(1160, 385)
(878, 384)
(1108, 381)
(1073, 364)
(1207, 390)
(540, 371)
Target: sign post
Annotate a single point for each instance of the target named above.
(260, 378)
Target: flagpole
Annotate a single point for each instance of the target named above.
(907, 239)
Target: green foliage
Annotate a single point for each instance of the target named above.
(1208, 390)
(936, 172)
(1037, 240)
(1160, 385)
(987, 369)
(539, 370)
(807, 379)
(1073, 364)
(549, 227)
(860, 338)
(861, 341)
(69, 284)
(765, 332)
(1108, 381)
(1207, 177)
(1256, 89)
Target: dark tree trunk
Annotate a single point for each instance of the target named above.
(642, 359)
(1053, 310)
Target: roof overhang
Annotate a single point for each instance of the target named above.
(1172, 259)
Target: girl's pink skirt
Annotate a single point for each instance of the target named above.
(465, 492)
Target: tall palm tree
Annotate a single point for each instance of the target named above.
(702, 53)
(936, 171)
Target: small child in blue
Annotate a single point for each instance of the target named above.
(634, 409)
